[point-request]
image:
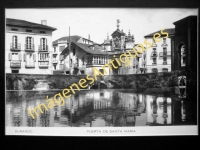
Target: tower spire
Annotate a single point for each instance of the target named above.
(118, 21)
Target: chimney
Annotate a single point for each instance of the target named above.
(89, 37)
(44, 22)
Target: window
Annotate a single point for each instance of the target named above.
(154, 61)
(164, 70)
(54, 49)
(61, 48)
(164, 40)
(43, 43)
(164, 51)
(82, 72)
(28, 30)
(154, 70)
(164, 59)
(14, 29)
(101, 94)
(29, 42)
(183, 56)
(15, 42)
(42, 31)
(15, 71)
(74, 51)
(30, 58)
(67, 72)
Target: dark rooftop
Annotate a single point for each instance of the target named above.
(170, 31)
(23, 23)
(73, 38)
(83, 47)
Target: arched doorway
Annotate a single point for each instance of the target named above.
(181, 55)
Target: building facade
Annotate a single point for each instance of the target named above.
(184, 44)
(158, 57)
(84, 54)
(28, 47)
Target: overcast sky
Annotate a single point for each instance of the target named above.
(98, 22)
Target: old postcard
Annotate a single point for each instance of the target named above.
(101, 71)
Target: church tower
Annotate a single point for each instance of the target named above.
(118, 39)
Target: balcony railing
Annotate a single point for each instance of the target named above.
(15, 63)
(43, 59)
(14, 46)
(29, 47)
(43, 64)
(30, 65)
(43, 48)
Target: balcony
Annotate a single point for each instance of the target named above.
(43, 64)
(15, 63)
(30, 65)
(15, 47)
(43, 48)
(29, 47)
(54, 61)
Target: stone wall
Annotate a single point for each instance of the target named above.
(134, 81)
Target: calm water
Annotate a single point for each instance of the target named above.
(100, 108)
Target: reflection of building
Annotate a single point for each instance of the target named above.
(28, 47)
(158, 58)
(184, 53)
(159, 111)
(100, 108)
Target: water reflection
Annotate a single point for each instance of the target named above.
(102, 108)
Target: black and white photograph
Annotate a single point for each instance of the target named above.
(101, 71)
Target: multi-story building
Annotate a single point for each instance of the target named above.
(28, 47)
(86, 54)
(184, 44)
(158, 57)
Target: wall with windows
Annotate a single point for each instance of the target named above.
(158, 57)
(28, 50)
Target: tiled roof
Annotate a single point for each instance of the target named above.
(170, 31)
(73, 38)
(23, 23)
(85, 48)
(89, 50)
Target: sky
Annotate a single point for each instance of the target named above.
(100, 22)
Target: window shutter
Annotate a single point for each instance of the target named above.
(34, 57)
(40, 41)
(13, 40)
(32, 40)
(45, 41)
(20, 56)
(24, 57)
(10, 56)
